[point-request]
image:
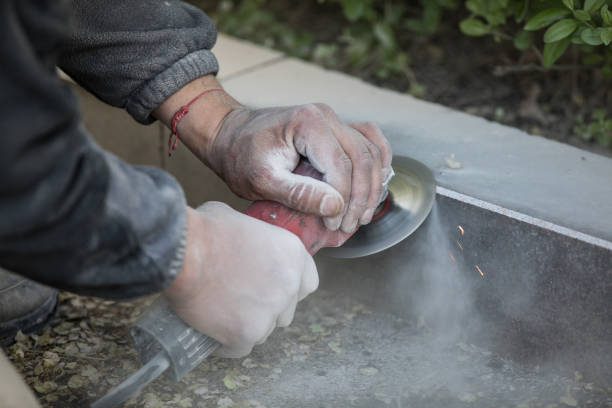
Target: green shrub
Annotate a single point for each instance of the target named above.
(560, 23)
(372, 39)
(369, 38)
(598, 129)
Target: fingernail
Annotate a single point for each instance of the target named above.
(330, 205)
(348, 227)
(367, 216)
(333, 223)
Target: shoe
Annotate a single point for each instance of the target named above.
(24, 305)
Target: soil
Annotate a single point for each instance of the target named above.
(473, 74)
(337, 353)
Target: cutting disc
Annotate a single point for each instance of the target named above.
(411, 196)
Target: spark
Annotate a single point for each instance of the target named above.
(479, 270)
(451, 256)
(461, 229)
(459, 245)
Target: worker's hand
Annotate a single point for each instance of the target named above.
(255, 152)
(241, 278)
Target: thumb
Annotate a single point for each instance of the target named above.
(305, 194)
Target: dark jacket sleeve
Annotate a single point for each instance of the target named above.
(134, 54)
(71, 215)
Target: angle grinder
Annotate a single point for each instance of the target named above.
(164, 341)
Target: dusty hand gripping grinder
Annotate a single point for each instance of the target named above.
(164, 341)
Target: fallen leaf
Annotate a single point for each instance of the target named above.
(569, 401)
(225, 402)
(335, 346)
(451, 163)
(368, 371)
(91, 373)
(248, 363)
(45, 387)
(229, 382)
(77, 381)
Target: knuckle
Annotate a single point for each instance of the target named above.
(375, 152)
(372, 127)
(313, 284)
(326, 109)
(345, 164)
(308, 112)
(365, 158)
(291, 286)
(360, 204)
(252, 331)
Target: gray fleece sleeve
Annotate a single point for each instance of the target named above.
(134, 54)
(72, 215)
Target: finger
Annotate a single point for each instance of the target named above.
(376, 185)
(375, 135)
(355, 146)
(313, 138)
(304, 194)
(268, 333)
(310, 278)
(234, 352)
(286, 317)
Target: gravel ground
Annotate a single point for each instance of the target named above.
(336, 354)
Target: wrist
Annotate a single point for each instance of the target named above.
(209, 105)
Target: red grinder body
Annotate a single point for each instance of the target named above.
(309, 228)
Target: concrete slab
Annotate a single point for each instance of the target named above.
(117, 132)
(237, 57)
(499, 164)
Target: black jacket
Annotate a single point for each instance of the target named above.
(72, 215)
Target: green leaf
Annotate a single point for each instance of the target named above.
(546, 17)
(475, 6)
(520, 11)
(229, 382)
(582, 15)
(560, 30)
(473, 26)
(384, 34)
(591, 36)
(495, 18)
(522, 40)
(606, 15)
(354, 9)
(569, 4)
(591, 6)
(606, 35)
(592, 59)
(553, 51)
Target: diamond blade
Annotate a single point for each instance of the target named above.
(412, 192)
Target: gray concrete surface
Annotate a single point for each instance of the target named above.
(117, 132)
(238, 57)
